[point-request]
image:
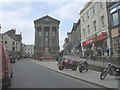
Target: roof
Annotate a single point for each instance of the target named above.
(44, 17)
(11, 33)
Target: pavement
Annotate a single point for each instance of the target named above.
(88, 76)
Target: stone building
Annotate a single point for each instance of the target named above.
(46, 37)
(29, 50)
(114, 26)
(94, 26)
(13, 42)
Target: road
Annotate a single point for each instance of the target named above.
(29, 75)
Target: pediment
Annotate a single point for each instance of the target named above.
(47, 19)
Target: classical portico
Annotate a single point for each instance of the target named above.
(46, 37)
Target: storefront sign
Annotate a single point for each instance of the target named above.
(95, 39)
(87, 42)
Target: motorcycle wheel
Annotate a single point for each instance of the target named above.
(80, 69)
(61, 67)
(103, 75)
(74, 68)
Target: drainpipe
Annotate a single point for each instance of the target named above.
(109, 28)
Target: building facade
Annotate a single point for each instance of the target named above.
(23, 50)
(94, 28)
(46, 37)
(12, 42)
(72, 44)
(29, 50)
(114, 26)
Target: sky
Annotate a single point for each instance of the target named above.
(20, 14)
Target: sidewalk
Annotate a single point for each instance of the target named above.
(101, 63)
(90, 76)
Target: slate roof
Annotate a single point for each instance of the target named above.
(11, 33)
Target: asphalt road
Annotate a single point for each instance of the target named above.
(27, 74)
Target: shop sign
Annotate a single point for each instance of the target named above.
(87, 42)
(95, 39)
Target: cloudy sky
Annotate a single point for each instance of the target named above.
(20, 15)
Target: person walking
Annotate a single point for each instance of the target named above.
(99, 51)
(107, 49)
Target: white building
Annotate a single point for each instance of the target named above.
(29, 50)
(94, 26)
(12, 42)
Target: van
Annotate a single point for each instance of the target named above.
(5, 66)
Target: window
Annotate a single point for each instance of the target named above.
(103, 21)
(101, 4)
(83, 18)
(84, 32)
(115, 19)
(46, 40)
(88, 27)
(2, 37)
(46, 33)
(93, 9)
(46, 49)
(13, 48)
(94, 25)
(88, 14)
(5, 42)
(13, 43)
(40, 33)
(53, 33)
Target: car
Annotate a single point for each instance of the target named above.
(13, 59)
(6, 72)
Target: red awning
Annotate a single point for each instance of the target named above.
(98, 38)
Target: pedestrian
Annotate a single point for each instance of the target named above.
(99, 51)
(107, 49)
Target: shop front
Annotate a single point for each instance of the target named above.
(99, 40)
(116, 41)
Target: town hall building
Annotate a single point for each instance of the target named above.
(46, 37)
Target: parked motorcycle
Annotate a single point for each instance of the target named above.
(67, 64)
(112, 70)
(83, 66)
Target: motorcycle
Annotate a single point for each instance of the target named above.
(83, 66)
(112, 70)
(67, 64)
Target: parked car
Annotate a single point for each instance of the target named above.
(13, 59)
(67, 64)
(6, 71)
